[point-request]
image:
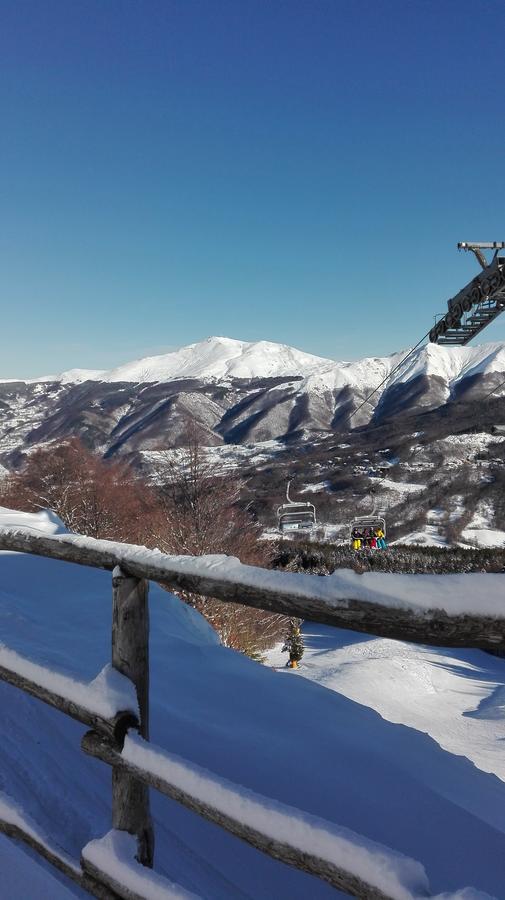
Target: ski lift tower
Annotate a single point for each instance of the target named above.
(479, 302)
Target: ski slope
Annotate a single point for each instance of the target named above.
(281, 736)
(456, 696)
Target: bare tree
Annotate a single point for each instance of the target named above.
(201, 507)
(201, 512)
(91, 496)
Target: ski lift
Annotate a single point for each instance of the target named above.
(366, 527)
(295, 515)
(478, 303)
(373, 522)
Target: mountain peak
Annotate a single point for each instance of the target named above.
(215, 358)
(220, 358)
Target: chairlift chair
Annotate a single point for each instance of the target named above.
(295, 515)
(373, 521)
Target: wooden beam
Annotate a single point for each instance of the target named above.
(116, 888)
(115, 728)
(93, 744)
(146, 885)
(289, 596)
(130, 656)
(60, 861)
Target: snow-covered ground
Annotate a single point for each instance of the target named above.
(224, 457)
(300, 743)
(46, 521)
(431, 535)
(22, 876)
(479, 533)
(401, 487)
(314, 488)
(455, 696)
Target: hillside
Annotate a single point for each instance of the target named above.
(238, 392)
(428, 443)
(284, 737)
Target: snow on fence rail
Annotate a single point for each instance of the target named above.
(441, 610)
(15, 824)
(425, 609)
(108, 704)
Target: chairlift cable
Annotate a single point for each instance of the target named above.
(377, 519)
(498, 386)
(390, 374)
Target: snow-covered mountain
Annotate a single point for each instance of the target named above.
(221, 358)
(237, 392)
(214, 359)
(225, 359)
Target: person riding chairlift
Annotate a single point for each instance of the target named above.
(380, 538)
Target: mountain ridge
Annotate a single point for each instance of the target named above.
(236, 392)
(222, 358)
(434, 423)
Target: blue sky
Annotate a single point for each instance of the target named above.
(292, 170)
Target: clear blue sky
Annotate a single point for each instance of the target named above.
(291, 170)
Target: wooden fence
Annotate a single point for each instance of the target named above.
(132, 568)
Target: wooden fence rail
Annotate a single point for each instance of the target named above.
(114, 727)
(308, 597)
(72, 869)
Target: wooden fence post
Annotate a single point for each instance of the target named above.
(130, 656)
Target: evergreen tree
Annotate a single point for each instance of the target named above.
(293, 643)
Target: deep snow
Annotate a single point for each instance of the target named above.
(114, 854)
(278, 735)
(23, 876)
(457, 696)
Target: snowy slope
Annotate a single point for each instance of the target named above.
(455, 363)
(457, 696)
(45, 521)
(283, 737)
(220, 358)
(217, 358)
(26, 877)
